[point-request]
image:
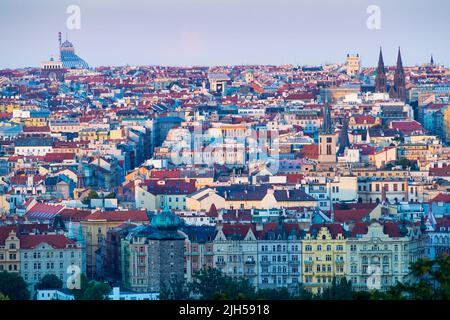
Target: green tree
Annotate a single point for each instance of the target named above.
(405, 163)
(240, 289)
(274, 294)
(212, 284)
(441, 274)
(13, 286)
(3, 297)
(209, 283)
(300, 293)
(339, 290)
(430, 280)
(111, 195)
(91, 195)
(175, 290)
(84, 284)
(96, 291)
(49, 281)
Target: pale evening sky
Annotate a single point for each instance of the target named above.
(224, 32)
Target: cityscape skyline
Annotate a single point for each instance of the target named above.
(235, 150)
(198, 33)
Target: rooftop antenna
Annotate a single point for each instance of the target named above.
(60, 43)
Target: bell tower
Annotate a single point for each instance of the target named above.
(327, 138)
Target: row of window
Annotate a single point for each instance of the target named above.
(324, 268)
(48, 255)
(279, 258)
(279, 248)
(378, 187)
(11, 267)
(328, 247)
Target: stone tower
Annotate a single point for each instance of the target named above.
(165, 250)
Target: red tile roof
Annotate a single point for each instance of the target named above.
(310, 151)
(440, 172)
(43, 211)
(36, 129)
(22, 180)
(407, 127)
(392, 229)
(55, 157)
(5, 231)
(73, 214)
(57, 241)
(240, 230)
(443, 222)
(160, 174)
(132, 215)
(364, 119)
(22, 228)
(293, 178)
(271, 226)
(212, 213)
(333, 228)
(442, 197)
(359, 228)
(301, 96)
(171, 186)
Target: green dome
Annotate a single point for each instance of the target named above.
(166, 221)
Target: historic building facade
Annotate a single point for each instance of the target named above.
(153, 255)
(323, 255)
(379, 254)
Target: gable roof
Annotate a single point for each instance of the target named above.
(237, 231)
(43, 211)
(333, 228)
(57, 241)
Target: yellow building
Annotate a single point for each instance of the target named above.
(324, 256)
(447, 124)
(96, 225)
(89, 134)
(35, 122)
(9, 108)
(352, 64)
(9, 249)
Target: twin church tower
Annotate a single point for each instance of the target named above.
(329, 141)
(398, 89)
